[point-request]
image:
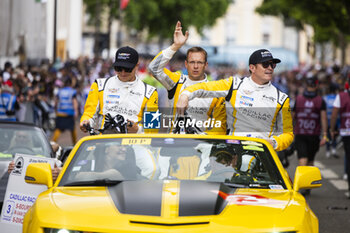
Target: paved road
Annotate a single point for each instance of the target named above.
(328, 202)
(65, 138)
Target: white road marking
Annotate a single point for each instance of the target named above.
(335, 180)
(319, 164)
(328, 174)
(340, 184)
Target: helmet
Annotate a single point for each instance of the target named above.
(223, 153)
(247, 161)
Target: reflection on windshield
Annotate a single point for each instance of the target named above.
(25, 140)
(236, 163)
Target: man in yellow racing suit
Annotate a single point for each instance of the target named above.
(254, 107)
(212, 109)
(124, 94)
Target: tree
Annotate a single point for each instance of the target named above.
(158, 17)
(329, 18)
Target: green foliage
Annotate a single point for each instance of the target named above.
(159, 17)
(96, 7)
(327, 17)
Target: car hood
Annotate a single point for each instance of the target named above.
(167, 203)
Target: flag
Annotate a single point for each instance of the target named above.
(123, 4)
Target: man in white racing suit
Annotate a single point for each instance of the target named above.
(212, 109)
(254, 107)
(124, 94)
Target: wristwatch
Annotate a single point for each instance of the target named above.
(274, 143)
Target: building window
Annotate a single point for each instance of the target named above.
(231, 31)
(266, 38)
(266, 30)
(206, 35)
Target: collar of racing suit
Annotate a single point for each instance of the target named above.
(190, 82)
(127, 84)
(256, 86)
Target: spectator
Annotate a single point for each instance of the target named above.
(8, 102)
(310, 117)
(67, 111)
(341, 106)
(331, 144)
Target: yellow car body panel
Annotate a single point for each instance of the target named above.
(94, 209)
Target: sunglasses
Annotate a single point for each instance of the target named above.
(266, 64)
(120, 69)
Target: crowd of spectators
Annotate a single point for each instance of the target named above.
(35, 87)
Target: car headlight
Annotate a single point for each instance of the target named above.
(51, 230)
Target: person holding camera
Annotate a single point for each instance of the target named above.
(121, 95)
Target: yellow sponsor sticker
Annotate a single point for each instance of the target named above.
(2, 155)
(251, 143)
(91, 148)
(136, 141)
(255, 148)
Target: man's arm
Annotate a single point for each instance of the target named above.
(210, 89)
(75, 106)
(218, 114)
(335, 112)
(285, 122)
(334, 117)
(157, 65)
(324, 125)
(90, 107)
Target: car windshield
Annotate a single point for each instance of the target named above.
(22, 139)
(236, 163)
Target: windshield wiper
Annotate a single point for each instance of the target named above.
(252, 185)
(259, 185)
(99, 182)
(235, 185)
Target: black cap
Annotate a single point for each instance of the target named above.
(312, 81)
(262, 55)
(8, 64)
(126, 57)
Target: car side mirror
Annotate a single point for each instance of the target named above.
(39, 173)
(307, 177)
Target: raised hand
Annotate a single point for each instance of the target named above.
(179, 38)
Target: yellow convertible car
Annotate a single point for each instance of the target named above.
(171, 183)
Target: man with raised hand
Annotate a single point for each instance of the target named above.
(212, 109)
